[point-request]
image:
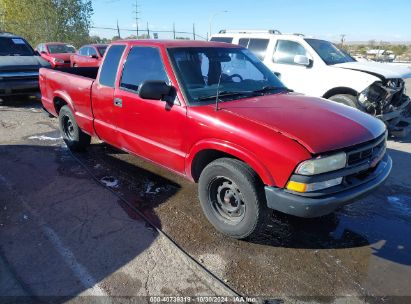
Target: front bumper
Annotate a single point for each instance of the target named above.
(308, 207)
(18, 87)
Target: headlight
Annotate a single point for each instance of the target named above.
(302, 187)
(323, 164)
(57, 60)
(363, 97)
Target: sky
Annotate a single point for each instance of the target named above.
(359, 20)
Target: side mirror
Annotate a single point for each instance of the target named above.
(302, 60)
(94, 56)
(43, 52)
(154, 89)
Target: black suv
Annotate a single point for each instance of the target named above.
(19, 66)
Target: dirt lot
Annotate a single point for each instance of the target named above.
(70, 226)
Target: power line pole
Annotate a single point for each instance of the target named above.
(136, 11)
(174, 31)
(194, 32)
(342, 40)
(148, 32)
(118, 30)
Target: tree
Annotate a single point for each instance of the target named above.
(48, 20)
(399, 49)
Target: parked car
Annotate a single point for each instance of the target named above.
(19, 66)
(89, 55)
(213, 113)
(318, 68)
(57, 53)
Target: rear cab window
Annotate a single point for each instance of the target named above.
(109, 67)
(222, 39)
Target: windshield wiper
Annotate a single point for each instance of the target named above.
(271, 88)
(224, 94)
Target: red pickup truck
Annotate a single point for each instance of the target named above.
(215, 114)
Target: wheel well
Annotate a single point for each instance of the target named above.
(203, 158)
(58, 104)
(340, 90)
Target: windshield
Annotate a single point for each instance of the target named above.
(102, 50)
(60, 48)
(14, 47)
(329, 52)
(237, 72)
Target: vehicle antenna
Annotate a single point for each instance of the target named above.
(218, 91)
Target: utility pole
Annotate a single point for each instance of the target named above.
(136, 11)
(194, 32)
(342, 40)
(118, 30)
(148, 32)
(174, 31)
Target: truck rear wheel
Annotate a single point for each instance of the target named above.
(72, 135)
(231, 196)
(347, 99)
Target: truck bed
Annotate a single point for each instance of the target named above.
(73, 85)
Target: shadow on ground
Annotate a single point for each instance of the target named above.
(61, 232)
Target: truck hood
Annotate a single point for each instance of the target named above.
(22, 63)
(317, 124)
(383, 70)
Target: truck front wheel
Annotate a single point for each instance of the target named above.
(347, 99)
(231, 196)
(72, 135)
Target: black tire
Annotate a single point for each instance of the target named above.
(347, 99)
(242, 212)
(72, 135)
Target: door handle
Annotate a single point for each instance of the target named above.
(118, 102)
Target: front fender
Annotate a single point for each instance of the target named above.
(232, 149)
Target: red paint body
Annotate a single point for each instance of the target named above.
(87, 61)
(45, 54)
(272, 133)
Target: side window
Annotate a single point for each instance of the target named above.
(83, 51)
(286, 50)
(92, 51)
(110, 65)
(142, 64)
(222, 39)
(243, 42)
(258, 47)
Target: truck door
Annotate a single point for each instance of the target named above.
(104, 106)
(152, 129)
(297, 77)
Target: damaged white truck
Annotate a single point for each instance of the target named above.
(318, 68)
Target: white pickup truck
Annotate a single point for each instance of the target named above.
(318, 68)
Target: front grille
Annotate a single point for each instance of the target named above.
(67, 61)
(366, 152)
